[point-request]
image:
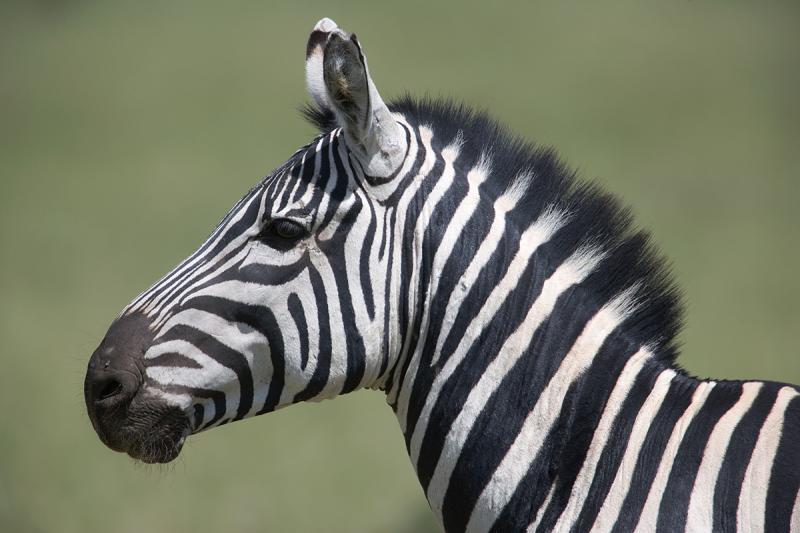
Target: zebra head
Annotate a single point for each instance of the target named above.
(286, 301)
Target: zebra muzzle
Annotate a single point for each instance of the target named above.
(124, 415)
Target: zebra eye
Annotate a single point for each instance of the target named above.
(287, 229)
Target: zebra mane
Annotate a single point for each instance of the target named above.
(596, 217)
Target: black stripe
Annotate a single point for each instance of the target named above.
(495, 269)
(258, 274)
(322, 174)
(387, 317)
(298, 315)
(737, 457)
(532, 490)
(308, 172)
(322, 370)
(492, 436)
(172, 359)
(386, 232)
(434, 231)
(398, 370)
(612, 453)
(474, 231)
(651, 453)
(455, 391)
(217, 397)
(276, 355)
(199, 413)
(364, 267)
(341, 187)
(176, 286)
(672, 513)
(221, 353)
(410, 176)
(784, 480)
(354, 341)
(160, 286)
(595, 388)
(411, 319)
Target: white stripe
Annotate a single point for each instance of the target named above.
(295, 379)
(253, 253)
(182, 401)
(353, 245)
(537, 234)
(251, 343)
(612, 504)
(182, 277)
(338, 337)
(257, 294)
(158, 321)
(377, 275)
(396, 245)
(753, 496)
(505, 203)
(648, 519)
(584, 479)
(794, 524)
(285, 179)
(203, 262)
(571, 272)
(700, 516)
(302, 288)
(225, 379)
(539, 422)
(463, 212)
(207, 271)
(297, 178)
(332, 182)
(239, 337)
(175, 273)
(370, 330)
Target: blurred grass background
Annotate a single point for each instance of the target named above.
(127, 129)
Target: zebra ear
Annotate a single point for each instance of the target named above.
(338, 79)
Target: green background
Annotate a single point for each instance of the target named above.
(127, 129)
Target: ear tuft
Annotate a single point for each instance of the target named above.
(315, 50)
(326, 25)
(337, 78)
(319, 35)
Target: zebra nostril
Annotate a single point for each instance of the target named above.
(109, 389)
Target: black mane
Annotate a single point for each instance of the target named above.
(596, 216)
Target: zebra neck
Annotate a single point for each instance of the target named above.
(495, 440)
(496, 403)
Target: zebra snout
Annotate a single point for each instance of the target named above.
(110, 387)
(114, 376)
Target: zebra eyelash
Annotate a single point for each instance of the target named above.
(282, 233)
(287, 228)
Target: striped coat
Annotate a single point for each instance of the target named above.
(522, 329)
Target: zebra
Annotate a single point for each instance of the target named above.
(523, 330)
